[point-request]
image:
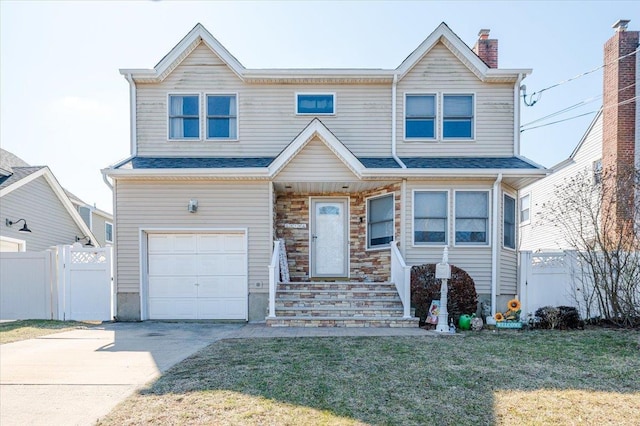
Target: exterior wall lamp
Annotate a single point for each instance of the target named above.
(88, 244)
(25, 228)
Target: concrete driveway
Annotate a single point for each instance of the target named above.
(76, 377)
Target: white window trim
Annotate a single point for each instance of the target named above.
(206, 121)
(22, 244)
(515, 222)
(528, 221)
(489, 218)
(435, 121)
(335, 104)
(393, 236)
(199, 95)
(105, 232)
(413, 219)
(475, 117)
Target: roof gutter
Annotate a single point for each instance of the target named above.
(516, 118)
(132, 113)
(494, 245)
(394, 119)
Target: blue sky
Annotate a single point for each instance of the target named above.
(64, 104)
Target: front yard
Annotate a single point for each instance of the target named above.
(525, 378)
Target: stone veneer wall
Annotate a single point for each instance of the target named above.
(365, 265)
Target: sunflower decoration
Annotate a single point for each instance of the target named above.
(513, 305)
(498, 317)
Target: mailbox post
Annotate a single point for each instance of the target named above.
(443, 272)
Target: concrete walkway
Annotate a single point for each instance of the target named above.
(77, 377)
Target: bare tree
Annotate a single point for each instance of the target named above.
(599, 217)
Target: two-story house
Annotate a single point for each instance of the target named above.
(359, 171)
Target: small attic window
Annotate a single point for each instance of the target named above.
(315, 103)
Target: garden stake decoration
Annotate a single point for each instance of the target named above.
(511, 316)
(443, 272)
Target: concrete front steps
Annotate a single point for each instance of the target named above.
(339, 304)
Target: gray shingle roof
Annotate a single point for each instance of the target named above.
(379, 162)
(467, 163)
(195, 162)
(19, 173)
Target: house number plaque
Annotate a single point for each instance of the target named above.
(296, 225)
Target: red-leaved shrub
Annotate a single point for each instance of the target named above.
(462, 296)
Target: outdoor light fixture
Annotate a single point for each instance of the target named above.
(23, 229)
(193, 206)
(89, 244)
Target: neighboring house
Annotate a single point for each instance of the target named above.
(32, 198)
(99, 221)
(611, 142)
(340, 163)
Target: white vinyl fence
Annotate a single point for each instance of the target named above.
(549, 279)
(64, 283)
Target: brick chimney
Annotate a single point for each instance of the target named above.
(487, 48)
(619, 114)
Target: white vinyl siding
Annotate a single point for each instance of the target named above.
(267, 121)
(49, 221)
(316, 163)
(537, 235)
(163, 204)
(476, 260)
(442, 73)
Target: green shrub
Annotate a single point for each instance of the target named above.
(462, 296)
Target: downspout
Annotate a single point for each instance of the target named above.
(516, 116)
(394, 121)
(132, 113)
(495, 244)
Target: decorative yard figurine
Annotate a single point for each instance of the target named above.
(476, 324)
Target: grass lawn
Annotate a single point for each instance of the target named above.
(28, 329)
(507, 377)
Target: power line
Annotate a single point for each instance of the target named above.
(539, 92)
(572, 107)
(578, 116)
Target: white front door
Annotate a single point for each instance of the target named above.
(329, 237)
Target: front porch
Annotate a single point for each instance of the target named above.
(325, 271)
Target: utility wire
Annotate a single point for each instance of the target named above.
(581, 115)
(539, 92)
(572, 107)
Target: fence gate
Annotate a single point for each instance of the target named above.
(86, 289)
(546, 279)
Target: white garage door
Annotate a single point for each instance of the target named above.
(197, 276)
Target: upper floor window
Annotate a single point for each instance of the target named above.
(320, 103)
(184, 117)
(430, 218)
(597, 171)
(108, 232)
(525, 209)
(509, 222)
(457, 117)
(472, 217)
(222, 117)
(380, 221)
(420, 117)
(85, 214)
